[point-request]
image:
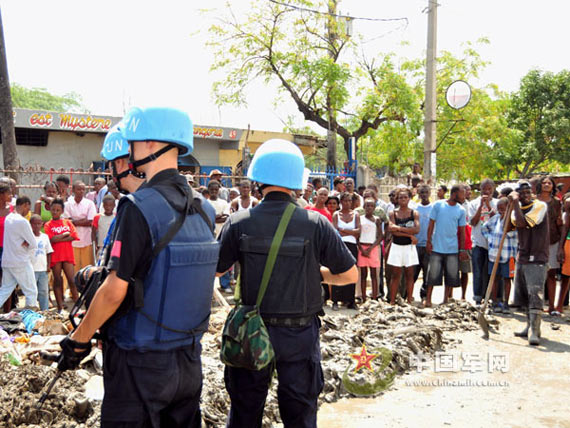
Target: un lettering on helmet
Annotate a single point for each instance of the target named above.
(134, 124)
(114, 146)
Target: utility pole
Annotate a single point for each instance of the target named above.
(431, 99)
(9, 152)
(331, 132)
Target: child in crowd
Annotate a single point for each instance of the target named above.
(102, 222)
(368, 247)
(492, 230)
(41, 259)
(61, 233)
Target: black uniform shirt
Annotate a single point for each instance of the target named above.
(131, 249)
(313, 242)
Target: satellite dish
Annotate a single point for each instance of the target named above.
(458, 94)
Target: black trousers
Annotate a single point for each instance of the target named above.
(345, 293)
(151, 389)
(300, 377)
(423, 258)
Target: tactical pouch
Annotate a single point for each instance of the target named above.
(245, 339)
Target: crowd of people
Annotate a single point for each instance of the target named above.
(445, 239)
(45, 243)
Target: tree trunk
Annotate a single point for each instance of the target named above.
(9, 151)
(331, 148)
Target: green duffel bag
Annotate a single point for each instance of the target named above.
(245, 339)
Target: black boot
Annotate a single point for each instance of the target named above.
(534, 338)
(524, 333)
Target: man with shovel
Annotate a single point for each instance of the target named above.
(530, 219)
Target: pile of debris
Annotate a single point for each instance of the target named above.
(395, 332)
(401, 329)
(67, 406)
(24, 335)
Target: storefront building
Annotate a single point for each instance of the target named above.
(69, 140)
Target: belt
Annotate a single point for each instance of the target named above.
(288, 322)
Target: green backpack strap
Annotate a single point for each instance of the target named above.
(272, 256)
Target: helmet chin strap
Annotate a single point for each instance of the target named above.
(134, 164)
(118, 176)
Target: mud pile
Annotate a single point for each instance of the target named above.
(393, 332)
(402, 329)
(66, 407)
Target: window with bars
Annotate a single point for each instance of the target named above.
(30, 137)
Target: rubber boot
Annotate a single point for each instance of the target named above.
(534, 338)
(524, 332)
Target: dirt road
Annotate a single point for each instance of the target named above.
(533, 390)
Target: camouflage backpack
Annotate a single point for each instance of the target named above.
(245, 339)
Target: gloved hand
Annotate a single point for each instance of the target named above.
(69, 358)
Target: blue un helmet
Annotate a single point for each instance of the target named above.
(167, 125)
(278, 163)
(163, 124)
(114, 146)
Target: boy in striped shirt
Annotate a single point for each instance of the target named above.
(492, 230)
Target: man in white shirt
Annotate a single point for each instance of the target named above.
(19, 244)
(216, 175)
(479, 211)
(81, 212)
(222, 213)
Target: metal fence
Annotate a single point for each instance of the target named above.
(30, 181)
(329, 174)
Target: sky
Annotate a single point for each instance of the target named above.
(120, 53)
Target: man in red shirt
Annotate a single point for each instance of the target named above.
(320, 203)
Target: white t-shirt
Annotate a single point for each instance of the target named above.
(17, 230)
(39, 257)
(222, 207)
(85, 209)
(476, 236)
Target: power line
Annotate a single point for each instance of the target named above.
(292, 6)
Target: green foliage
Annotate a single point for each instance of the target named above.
(539, 116)
(323, 72)
(467, 138)
(41, 99)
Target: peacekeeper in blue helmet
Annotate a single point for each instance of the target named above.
(311, 252)
(116, 152)
(162, 264)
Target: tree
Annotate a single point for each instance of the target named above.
(9, 152)
(467, 138)
(539, 114)
(41, 99)
(314, 61)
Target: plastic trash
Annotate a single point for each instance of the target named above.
(30, 318)
(13, 359)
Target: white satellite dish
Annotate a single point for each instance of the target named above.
(458, 94)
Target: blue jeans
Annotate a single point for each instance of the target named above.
(442, 265)
(225, 280)
(43, 289)
(480, 260)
